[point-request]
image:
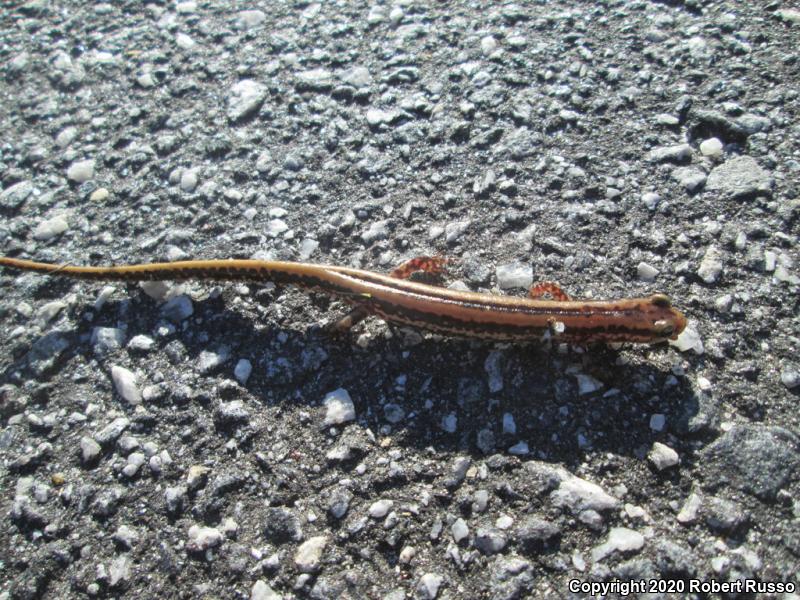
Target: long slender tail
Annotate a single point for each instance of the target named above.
(228, 270)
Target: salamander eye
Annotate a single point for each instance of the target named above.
(664, 328)
(661, 300)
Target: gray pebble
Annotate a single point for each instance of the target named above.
(107, 339)
(738, 177)
(90, 450)
(490, 540)
(177, 309)
(393, 413)
(428, 586)
(753, 458)
(690, 178)
(111, 432)
(209, 361)
(281, 525)
(679, 153)
(13, 196)
(339, 502)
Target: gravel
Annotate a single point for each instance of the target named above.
(214, 439)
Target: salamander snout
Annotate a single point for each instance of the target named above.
(669, 323)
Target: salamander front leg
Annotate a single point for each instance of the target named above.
(547, 288)
(430, 265)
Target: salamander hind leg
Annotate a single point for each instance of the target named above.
(355, 316)
(547, 288)
(431, 265)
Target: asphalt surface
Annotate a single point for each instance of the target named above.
(207, 440)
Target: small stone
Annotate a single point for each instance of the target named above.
(377, 231)
(317, 80)
(13, 196)
(81, 171)
(125, 536)
(203, 538)
(662, 456)
(689, 340)
(679, 153)
(490, 540)
(339, 502)
(519, 449)
(689, 178)
(790, 377)
(711, 147)
(112, 431)
(209, 360)
(380, 508)
(243, 370)
(588, 384)
(282, 525)
(646, 272)
(189, 180)
(620, 539)
(407, 554)
(50, 228)
(339, 407)
(119, 572)
(580, 495)
(250, 19)
(90, 449)
(276, 227)
(651, 200)
(178, 308)
(106, 340)
(514, 275)
(449, 423)
(509, 426)
(711, 266)
(459, 530)
(738, 177)
(657, 422)
(125, 384)
(428, 586)
(377, 117)
(99, 195)
(393, 413)
(246, 98)
(690, 509)
(308, 555)
(261, 589)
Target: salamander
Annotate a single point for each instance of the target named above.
(397, 299)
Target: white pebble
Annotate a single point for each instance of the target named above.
(711, 147)
(646, 272)
(125, 383)
(620, 539)
(202, 538)
(662, 456)
(81, 171)
(50, 228)
(309, 554)
(514, 275)
(711, 266)
(339, 407)
(380, 508)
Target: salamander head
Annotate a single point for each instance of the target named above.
(668, 322)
